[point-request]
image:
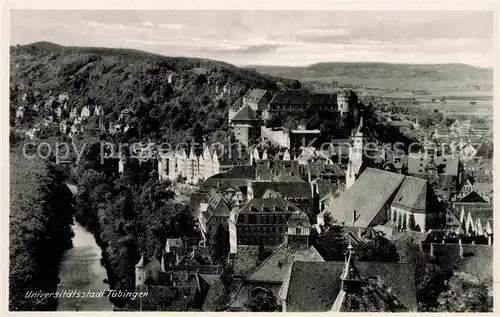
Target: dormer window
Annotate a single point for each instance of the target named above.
(298, 231)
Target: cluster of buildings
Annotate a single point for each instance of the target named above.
(56, 111)
(269, 204)
(247, 115)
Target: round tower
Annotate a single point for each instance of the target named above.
(140, 272)
(343, 102)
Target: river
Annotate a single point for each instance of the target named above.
(81, 271)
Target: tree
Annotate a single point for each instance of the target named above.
(263, 302)
(331, 242)
(295, 84)
(466, 293)
(431, 285)
(378, 249)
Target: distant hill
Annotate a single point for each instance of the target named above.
(431, 72)
(124, 78)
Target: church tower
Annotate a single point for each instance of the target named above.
(350, 279)
(355, 155)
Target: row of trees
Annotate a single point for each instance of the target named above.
(130, 214)
(41, 215)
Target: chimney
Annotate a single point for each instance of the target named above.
(489, 240)
(432, 249)
(461, 248)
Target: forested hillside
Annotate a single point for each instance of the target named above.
(41, 215)
(118, 78)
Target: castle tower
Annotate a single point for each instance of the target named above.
(343, 102)
(298, 231)
(140, 272)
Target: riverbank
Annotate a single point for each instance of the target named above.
(81, 271)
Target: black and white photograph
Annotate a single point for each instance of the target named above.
(250, 160)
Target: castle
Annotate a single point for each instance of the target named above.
(247, 115)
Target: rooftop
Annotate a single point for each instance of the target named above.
(366, 197)
(314, 286)
(245, 114)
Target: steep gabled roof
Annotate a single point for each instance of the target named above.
(286, 189)
(412, 195)
(268, 205)
(245, 114)
(314, 286)
(217, 206)
(275, 268)
(256, 94)
(369, 193)
(472, 197)
(298, 97)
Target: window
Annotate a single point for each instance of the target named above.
(297, 231)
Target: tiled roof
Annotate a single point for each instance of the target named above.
(275, 268)
(217, 206)
(472, 197)
(238, 172)
(366, 196)
(412, 195)
(237, 104)
(287, 189)
(288, 178)
(245, 114)
(301, 97)
(267, 205)
(314, 286)
(246, 258)
(325, 187)
(418, 163)
(298, 97)
(256, 95)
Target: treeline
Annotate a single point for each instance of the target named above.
(129, 214)
(41, 215)
(117, 79)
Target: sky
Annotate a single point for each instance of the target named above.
(285, 38)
